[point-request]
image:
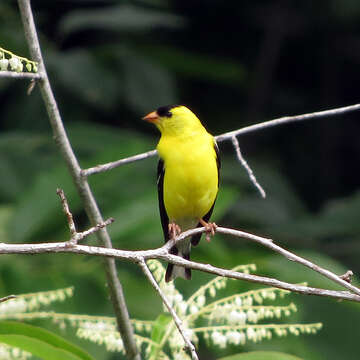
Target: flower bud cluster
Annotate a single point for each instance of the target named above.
(110, 339)
(221, 336)
(233, 320)
(33, 301)
(13, 353)
(12, 62)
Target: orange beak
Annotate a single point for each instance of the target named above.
(152, 117)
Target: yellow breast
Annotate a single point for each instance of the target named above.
(191, 176)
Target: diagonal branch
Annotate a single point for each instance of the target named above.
(67, 212)
(189, 345)
(229, 135)
(244, 163)
(91, 207)
(292, 257)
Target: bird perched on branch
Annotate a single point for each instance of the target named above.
(188, 179)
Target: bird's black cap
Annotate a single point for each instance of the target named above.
(165, 110)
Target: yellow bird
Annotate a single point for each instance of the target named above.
(188, 178)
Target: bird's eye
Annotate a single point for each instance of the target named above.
(164, 111)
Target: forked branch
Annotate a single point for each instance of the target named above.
(163, 253)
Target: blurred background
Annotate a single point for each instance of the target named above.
(234, 64)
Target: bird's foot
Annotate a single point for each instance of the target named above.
(174, 230)
(210, 229)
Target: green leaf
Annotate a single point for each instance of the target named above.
(261, 355)
(119, 18)
(159, 327)
(40, 342)
(158, 331)
(37, 347)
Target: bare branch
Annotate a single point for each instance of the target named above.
(67, 212)
(31, 87)
(343, 295)
(288, 119)
(247, 167)
(289, 255)
(19, 75)
(6, 298)
(189, 345)
(78, 236)
(101, 168)
(94, 229)
(229, 135)
(162, 253)
(91, 207)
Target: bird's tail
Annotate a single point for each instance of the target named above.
(174, 271)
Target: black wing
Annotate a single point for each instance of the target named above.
(163, 215)
(196, 238)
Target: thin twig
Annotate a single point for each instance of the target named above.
(6, 298)
(31, 87)
(101, 168)
(247, 167)
(78, 236)
(189, 345)
(91, 207)
(19, 75)
(94, 229)
(67, 212)
(229, 135)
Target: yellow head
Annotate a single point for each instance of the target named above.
(174, 120)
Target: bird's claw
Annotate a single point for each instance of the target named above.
(174, 230)
(210, 229)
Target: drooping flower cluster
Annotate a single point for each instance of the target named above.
(231, 320)
(12, 62)
(26, 303)
(22, 308)
(13, 353)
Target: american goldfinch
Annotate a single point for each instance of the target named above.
(188, 178)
